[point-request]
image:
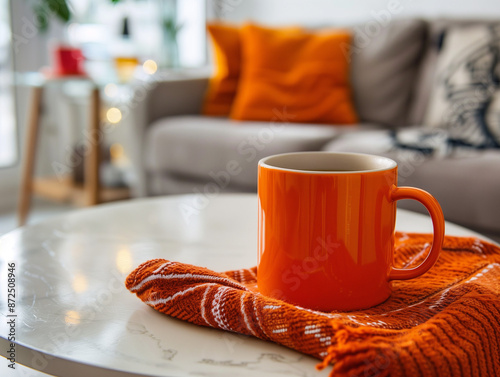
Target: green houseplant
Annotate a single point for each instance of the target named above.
(46, 9)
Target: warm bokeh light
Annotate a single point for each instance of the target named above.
(111, 90)
(124, 261)
(113, 115)
(117, 152)
(80, 283)
(150, 66)
(126, 67)
(72, 317)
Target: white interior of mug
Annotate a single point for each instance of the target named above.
(327, 162)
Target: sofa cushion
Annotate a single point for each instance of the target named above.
(426, 71)
(202, 147)
(384, 64)
(464, 183)
(226, 43)
(307, 71)
(465, 99)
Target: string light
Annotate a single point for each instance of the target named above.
(150, 66)
(113, 115)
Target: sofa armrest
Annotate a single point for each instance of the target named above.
(151, 101)
(176, 96)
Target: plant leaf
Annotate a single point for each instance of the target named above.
(41, 17)
(59, 8)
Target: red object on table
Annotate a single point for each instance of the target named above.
(68, 61)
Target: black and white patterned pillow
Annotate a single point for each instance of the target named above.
(465, 99)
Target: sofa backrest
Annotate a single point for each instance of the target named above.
(385, 57)
(183, 95)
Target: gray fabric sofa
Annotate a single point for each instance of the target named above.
(392, 70)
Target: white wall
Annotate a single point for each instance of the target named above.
(317, 12)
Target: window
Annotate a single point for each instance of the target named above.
(97, 27)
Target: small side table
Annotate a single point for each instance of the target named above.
(63, 190)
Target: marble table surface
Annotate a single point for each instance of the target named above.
(76, 318)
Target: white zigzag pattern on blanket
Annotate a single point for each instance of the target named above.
(162, 266)
(203, 314)
(218, 308)
(187, 276)
(177, 294)
(245, 317)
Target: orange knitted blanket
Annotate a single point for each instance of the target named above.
(445, 323)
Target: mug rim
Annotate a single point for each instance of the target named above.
(390, 164)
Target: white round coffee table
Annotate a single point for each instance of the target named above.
(74, 316)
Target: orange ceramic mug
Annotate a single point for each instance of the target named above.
(326, 229)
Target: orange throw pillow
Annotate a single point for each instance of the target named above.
(223, 85)
(303, 74)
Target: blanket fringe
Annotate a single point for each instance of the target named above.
(358, 352)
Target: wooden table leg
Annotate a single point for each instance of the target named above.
(30, 154)
(92, 160)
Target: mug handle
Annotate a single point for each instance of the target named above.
(436, 213)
